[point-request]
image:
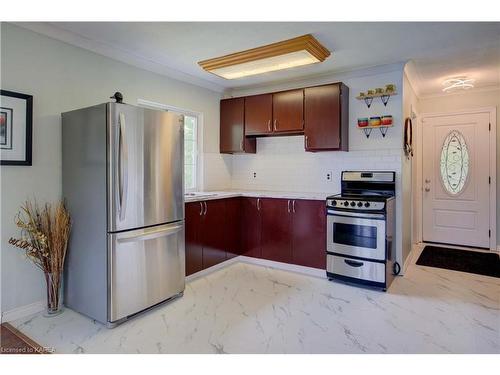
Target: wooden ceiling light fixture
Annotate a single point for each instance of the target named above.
(290, 53)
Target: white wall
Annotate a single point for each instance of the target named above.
(410, 104)
(282, 164)
(62, 77)
(475, 98)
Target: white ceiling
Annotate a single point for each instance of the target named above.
(437, 50)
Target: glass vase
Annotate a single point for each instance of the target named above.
(54, 296)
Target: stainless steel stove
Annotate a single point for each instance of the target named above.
(360, 230)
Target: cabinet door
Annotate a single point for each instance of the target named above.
(232, 127)
(258, 114)
(324, 126)
(194, 257)
(309, 233)
(276, 239)
(233, 227)
(213, 233)
(251, 226)
(288, 111)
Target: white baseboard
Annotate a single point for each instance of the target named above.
(23, 311)
(309, 271)
(259, 262)
(408, 261)
(208, 270)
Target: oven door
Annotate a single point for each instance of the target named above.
(356, 234)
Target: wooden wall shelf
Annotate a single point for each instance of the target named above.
(383, 96)
(368, 129)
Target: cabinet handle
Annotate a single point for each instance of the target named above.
(293, 206)
(201, 208)
(275, 124)
(289, 206)
(206, 208)
(258, 204)
(241, 145)
(307, 142)
(269, 125)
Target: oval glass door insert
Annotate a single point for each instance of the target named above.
(454, 162)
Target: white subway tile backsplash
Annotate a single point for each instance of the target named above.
(282, 164)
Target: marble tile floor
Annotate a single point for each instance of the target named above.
(245, 308)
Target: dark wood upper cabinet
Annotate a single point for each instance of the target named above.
(251, 227)
(258, 114)
(326, 119)
(309, 233)
(213, 232)
(193, 246)
(288, 111)
(321, 113)
(232, 127)
(276, 240)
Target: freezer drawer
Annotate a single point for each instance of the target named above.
(354, 268)
(146, 267)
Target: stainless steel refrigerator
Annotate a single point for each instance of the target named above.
(123, 183)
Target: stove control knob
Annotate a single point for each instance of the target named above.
(353, 204)
(346, 203)
(367, 204)
(360, 204)
(334, 203)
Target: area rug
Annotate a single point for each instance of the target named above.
(487, 264)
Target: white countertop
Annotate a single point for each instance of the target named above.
(210, 195)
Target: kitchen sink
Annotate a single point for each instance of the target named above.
(199, 194)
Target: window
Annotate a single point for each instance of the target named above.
(454, 162)
(190, 152)
(191, 139)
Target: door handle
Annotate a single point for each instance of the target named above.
(353, 263)
(150, 234)
(201, 208)
(122, 167)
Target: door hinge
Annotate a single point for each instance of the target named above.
(489, 233)
(489, 126)
(489, 180)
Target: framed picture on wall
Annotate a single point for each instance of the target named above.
(16, 128)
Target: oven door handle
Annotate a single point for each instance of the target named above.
(353, 263)
(355, 214)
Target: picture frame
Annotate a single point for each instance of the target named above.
(16, 128)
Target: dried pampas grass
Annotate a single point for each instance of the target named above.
(45, 234)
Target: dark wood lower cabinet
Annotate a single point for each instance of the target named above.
(276, 241)
(282, 230)
(309, 233)
(194, 249)
(233, 227)
(213, 232)
(251, 226)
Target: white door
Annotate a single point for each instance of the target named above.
(456, 197)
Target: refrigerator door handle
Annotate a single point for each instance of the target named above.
(150, 234)
(123, 167)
